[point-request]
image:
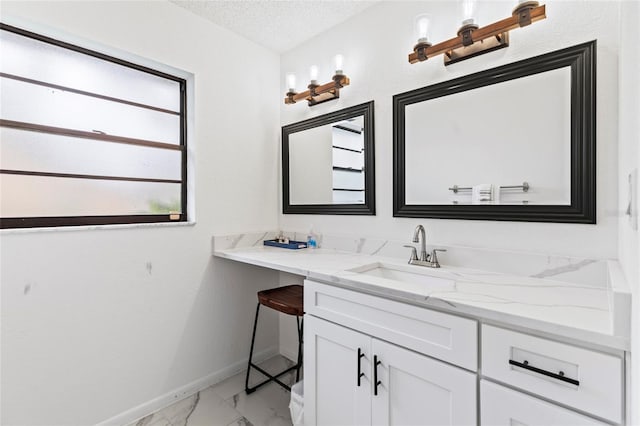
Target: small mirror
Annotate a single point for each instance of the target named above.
(510, 143)
(328, 163)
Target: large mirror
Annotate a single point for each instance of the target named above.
(328, 163)
(511, 143)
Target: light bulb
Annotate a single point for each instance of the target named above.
(339, 59)
(422, 28)
(291, 82)
(313, 72)
(468, 11)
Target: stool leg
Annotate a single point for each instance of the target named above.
(300, 323)
(253, 340)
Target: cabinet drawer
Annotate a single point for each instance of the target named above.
(587, 380)
(501, 406)
(447, 337)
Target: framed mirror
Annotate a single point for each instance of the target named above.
(328, 164)
(514, 143)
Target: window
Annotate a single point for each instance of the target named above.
(86, 138)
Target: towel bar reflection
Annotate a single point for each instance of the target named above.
(524, 187)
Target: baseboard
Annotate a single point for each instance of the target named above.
(144, 409)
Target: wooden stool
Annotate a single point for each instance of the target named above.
(288, 300)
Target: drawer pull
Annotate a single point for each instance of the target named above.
(376, 382)
(360, 373)
(559, 376)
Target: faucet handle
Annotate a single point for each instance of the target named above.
(434, 257)
(414, 253)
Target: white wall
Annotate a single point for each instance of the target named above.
(375, 45)
(310, 166)
(96, 322)
(629, 130)
(629, 160)
(473, 153)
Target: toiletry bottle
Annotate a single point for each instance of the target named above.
(312, 241)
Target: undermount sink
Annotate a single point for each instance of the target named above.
(410, 274)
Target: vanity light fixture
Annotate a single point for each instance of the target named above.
(471, 39)
(318, 93)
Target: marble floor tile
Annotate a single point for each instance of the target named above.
(274, 365)
(242, 421)
(212, 410)
(231, 386)
(267, 406)
(227, 404)
(174, 414)
(235, 384)
(202, 409)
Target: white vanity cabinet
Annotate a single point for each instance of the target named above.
(487, 349)
(353, 378)
(344, 386)
(372, 360)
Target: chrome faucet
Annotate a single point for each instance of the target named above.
(417, 233)
(429, 260)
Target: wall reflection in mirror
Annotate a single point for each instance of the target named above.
(495, 147)
(327, 163)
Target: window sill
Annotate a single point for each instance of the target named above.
(95, 227)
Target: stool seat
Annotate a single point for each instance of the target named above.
(287, 299)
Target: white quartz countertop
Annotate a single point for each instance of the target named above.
(564, 309)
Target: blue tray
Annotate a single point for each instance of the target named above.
(293, 245)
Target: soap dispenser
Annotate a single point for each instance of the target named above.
(312, 239)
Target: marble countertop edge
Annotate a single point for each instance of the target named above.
(496, 297)
(486, 315)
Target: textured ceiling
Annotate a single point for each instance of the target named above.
(279, 25)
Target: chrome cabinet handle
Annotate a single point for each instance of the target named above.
(360, 373)
(558, 376)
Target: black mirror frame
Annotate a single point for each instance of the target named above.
(582, 60)
(369, 206)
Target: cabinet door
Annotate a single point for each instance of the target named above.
(417, 390)
(331, 392)
(505, 407)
